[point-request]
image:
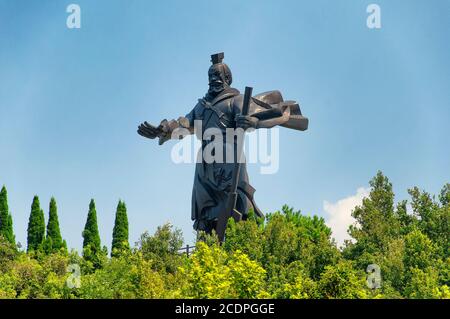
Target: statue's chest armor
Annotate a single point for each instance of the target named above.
(219, 115)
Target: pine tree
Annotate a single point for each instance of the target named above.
(36, 227)
(91, 238)
(54, 238)
(120, 231)
(6, 226)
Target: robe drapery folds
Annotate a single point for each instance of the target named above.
(213, 180)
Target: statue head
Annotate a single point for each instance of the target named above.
(219, 75)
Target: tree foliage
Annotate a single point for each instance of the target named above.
(120, 242)
(285, 255)
(36, 227)
(54, 241)
(92, 251)
(162, 248)
(6, 224)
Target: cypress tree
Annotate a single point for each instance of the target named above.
(120, 231)
(6, 226)
(91, 237)
(36, 227)
(54, 238)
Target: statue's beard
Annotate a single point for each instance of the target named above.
(215, 87)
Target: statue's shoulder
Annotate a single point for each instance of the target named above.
(227, 94)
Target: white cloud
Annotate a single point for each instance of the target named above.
(339, 216)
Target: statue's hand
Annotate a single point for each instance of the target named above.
(164, 130)
(149, 131)
(246, 121)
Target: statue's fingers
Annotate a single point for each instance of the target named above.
(147, 124)
(150, 135)
(149, 128)
(245, 124)
(147, 132)
(142, 133)
(243, 121)
(143, 129)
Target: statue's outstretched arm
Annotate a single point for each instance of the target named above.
(166, 129)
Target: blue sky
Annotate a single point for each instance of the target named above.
(71, 100)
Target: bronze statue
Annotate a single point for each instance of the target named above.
(221, 108)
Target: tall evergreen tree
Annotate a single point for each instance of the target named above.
(376, 216)
(120, 232)
(6, 227)
(54, 238)
(36, 226)
(91, 237)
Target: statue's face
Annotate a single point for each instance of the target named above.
(216, 80)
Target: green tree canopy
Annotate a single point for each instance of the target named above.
(6, 224)
(120, 232)
(91, 238)
(54, 238)
(162, 248)
(342, 281)
(433, 219)
(285, 255)
(36, 226)
(375, 220)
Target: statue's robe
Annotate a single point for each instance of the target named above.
(213, 180)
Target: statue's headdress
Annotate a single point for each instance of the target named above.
(216, 59)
